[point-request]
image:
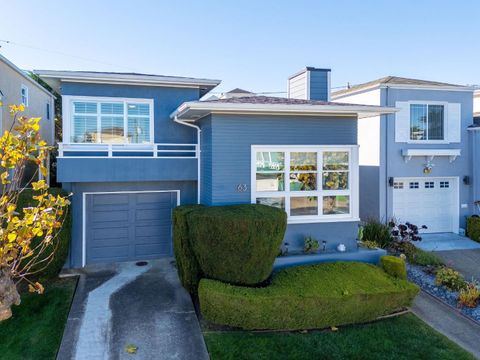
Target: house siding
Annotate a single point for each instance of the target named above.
(188, 195)
(319, 89)
(229, 163)
(395, 164)
(475, 163)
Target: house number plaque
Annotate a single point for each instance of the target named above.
(242, 187)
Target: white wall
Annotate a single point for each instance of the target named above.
(476, 102)
(368, 128)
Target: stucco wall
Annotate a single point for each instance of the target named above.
(10, 85)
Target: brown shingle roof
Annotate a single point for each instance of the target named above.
(393, 80)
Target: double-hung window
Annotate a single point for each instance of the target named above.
(111, 121)
(24, 94)
(427, 122)
(309, 183)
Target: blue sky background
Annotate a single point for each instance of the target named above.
(249, 44)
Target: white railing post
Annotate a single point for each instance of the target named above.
(155, 150)
(110, 151)
(60, 150)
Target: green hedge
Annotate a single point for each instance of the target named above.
(394, 266)
(61, 242)
(307, 297)
(473, 228)
(237, 244)
(187, 266)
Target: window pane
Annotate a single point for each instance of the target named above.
(84, 129)
(270, 161)
(337, 160)
(84, 107)
(270, 182)
(305, 205)
(138, 109)
(278, 202)
(111, 108)
(418, 122)
(339, 204)
(138, 130)
(111, 129)
(303, 181)
(335, 180)
(303, 161)
(435, 122)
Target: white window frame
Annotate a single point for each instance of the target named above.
(24, 88)
(67, 114)
(352, 192)
(445, 122)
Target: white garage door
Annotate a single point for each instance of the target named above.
(427, 201)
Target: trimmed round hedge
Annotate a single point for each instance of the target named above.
(307, 297)
(394, 266)
(238, 243)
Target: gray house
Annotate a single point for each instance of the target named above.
(416, 164)
(137, 145)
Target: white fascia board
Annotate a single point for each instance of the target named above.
(431, 152)
(25, 76)
(204, 108)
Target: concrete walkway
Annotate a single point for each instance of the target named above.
(446, 242)
(448, 321)
(124, 304)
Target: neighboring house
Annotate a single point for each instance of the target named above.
(135, 146)
(476, 107)
(16, 88)
(415, 165)
(475, 136)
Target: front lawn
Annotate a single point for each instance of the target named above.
(403, 337)
(36, 327)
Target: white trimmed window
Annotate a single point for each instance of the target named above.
(311, 183)
(427, 122)
(24, 94)
(110, 121)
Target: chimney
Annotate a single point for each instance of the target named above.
(310, 84)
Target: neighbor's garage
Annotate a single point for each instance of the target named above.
(427, 201)
(128, 226)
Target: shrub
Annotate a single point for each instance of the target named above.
(378, 232)
(450, 278)
(310, 244)
(405, 232)
(307, 297)
(369, 244)
(238, 243)
(415, 255)
(61, 243)
(473, 228)
(394, 266)
(187, 266)
(469, 296)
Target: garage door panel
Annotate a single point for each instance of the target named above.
(426, 201)
(130, 226)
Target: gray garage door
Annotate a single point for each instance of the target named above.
(129, 226)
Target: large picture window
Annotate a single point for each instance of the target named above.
(427, 122)
(111, 121)
(307, 182)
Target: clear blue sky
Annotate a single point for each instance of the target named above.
(249, 44)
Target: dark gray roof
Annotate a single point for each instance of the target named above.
(393, 80)
(273, 100)
(238, 91)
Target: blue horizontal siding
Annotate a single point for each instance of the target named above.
(319, 85)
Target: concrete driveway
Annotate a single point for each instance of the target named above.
(125, 304)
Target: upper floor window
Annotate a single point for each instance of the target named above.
(427, 122)
(111, 121)
(24, 95)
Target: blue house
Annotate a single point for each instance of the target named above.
(416, 164)
(135, 146)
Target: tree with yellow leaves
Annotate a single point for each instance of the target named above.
(28, 235)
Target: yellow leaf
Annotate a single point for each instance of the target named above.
(131, 349)
(11, 236)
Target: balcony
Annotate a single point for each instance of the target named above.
(78, 162)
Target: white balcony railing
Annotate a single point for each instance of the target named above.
(160, 151)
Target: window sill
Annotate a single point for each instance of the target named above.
(322, 220)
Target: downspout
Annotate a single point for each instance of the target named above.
(386, 156)
(197, 151)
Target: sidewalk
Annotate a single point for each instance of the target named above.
(449, 322)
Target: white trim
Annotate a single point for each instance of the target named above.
(23, 88)
(67, 114)
(431, 153)
(84, 211)
(352, 191)
(456, 180)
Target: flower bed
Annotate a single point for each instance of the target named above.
(426, 281)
